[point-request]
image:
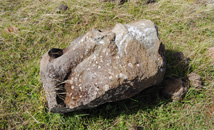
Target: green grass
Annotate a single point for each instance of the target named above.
(184, 25)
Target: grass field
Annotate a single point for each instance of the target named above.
(184, 25)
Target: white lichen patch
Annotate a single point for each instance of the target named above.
(117, 57)
(143, 24)
(130, 65)
(122, 38)
(106, 87)
(123, 76)
(161, 69)
(101, 42)
(71, 81)
(104, 50)
(94, 57)
(110, 77)
(75, 79)
(121, 42)
(146, 36)
(111, 73)
(72, 87)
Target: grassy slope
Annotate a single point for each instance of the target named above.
(184, 25)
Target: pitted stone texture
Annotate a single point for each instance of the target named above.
(106, 66)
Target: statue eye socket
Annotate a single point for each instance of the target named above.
(55, 52)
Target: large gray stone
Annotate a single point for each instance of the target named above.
(101, 67)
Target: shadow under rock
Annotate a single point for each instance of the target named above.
(177, 67)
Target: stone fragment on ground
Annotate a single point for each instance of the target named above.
(120, 2)
(101, 67)
(11, 29)
(195, 80)
(180, 59)
(150, 1)
(175, 89)
(210, 53)
(61, 8)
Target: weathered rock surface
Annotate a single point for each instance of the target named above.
(101, 67)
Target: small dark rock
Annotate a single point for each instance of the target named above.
(120, 2)
(175, 89)
(150, 1)
(134, 126)
(62, 8)
(180, 60)
(195, 80)
(11, 29)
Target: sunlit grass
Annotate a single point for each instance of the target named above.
(185, 26)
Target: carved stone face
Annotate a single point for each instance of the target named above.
(103, 67)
